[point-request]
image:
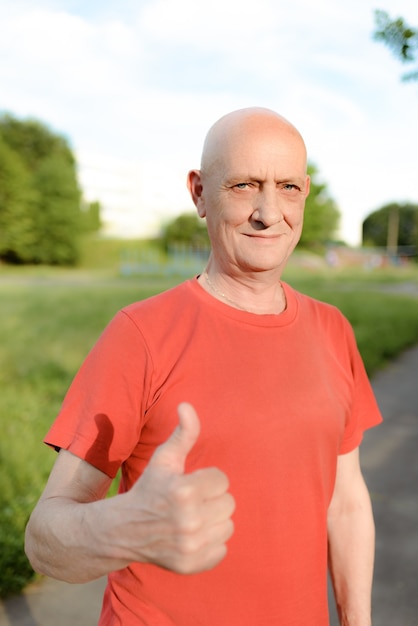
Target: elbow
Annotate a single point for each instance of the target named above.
(32, 548)
(49, 558)
(37, 550)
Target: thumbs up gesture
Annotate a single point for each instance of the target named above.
(185, 519)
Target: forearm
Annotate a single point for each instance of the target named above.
(175, 520)
(178, 522)
(351, 559)
(73, 541)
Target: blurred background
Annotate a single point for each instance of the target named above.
(103, 109)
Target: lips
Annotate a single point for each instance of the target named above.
(264, 237)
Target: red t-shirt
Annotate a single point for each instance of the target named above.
(279, 398)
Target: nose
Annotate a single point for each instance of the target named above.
(267, 210)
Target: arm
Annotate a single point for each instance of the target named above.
(351, 543)
(178, 521)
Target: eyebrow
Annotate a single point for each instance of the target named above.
(235, 179)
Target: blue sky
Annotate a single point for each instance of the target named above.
(134, 85)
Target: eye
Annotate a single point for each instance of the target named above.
(241, 185)
(290, 188)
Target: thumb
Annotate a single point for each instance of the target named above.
(172, 454)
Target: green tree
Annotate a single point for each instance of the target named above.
(399, 37)
(48, 210)
(321, 214)
(18, 200)
(34, 141)
(187, 229)
(59, 221)
(91, 216)
(376, 225)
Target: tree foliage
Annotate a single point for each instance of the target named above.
(399, 37)
(321, 213)
(376, 225)
(91, 216)
(33, 141)
(320, 221)
(18, 200)
(186, 229)
(58, 224)
(40, 214)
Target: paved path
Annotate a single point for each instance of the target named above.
(390, 464)
(389, 457)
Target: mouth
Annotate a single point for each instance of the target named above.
(267, 238)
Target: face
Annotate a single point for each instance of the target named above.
(252, 191)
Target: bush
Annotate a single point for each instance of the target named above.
(15, 569)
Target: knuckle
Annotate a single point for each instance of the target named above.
(188, 546)
(188, 525)
(219, 477)
(231, 504)
(181, 493)
(186, 567)
(230, 529)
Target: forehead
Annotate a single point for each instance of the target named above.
(263, 151)
(253, 142)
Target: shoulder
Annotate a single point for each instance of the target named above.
(316, 309)
(162, 304)
(324, 321)
(172, 312)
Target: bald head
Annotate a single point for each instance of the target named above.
(236, 129)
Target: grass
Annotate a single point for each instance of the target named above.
(47, 326)
(50, 318)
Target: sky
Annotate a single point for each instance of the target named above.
(134, 86)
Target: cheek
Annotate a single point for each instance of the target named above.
(294, 216)
(223, 219)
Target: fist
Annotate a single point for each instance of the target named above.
(187, 516)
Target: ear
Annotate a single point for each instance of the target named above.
(307, 186)
(195, 187)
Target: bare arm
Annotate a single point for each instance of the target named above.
(178, 521)
(351, 543)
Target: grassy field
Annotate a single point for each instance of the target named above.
(50, 318)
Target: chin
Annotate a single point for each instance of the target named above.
(256, 265)
(267, 259)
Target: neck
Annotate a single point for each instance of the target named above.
(245, 293)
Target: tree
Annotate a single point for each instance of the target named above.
(377, 225)
(42, 222)
(399, 37)
(321, 214)
(188, 230)
(34, 141)
(91, 216)
(18, 199)
(59, 221)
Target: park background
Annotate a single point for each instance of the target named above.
(129, 164)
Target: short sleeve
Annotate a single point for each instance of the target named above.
(103, 411)
(364, 413)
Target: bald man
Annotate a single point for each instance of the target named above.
(235, 407)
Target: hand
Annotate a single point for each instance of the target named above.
(186, 517)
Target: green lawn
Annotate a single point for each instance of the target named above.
(50, 318)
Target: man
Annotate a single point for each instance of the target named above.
(272, 400)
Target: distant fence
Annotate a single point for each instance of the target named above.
(369, 258)
(187, 261)
(179, 261)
